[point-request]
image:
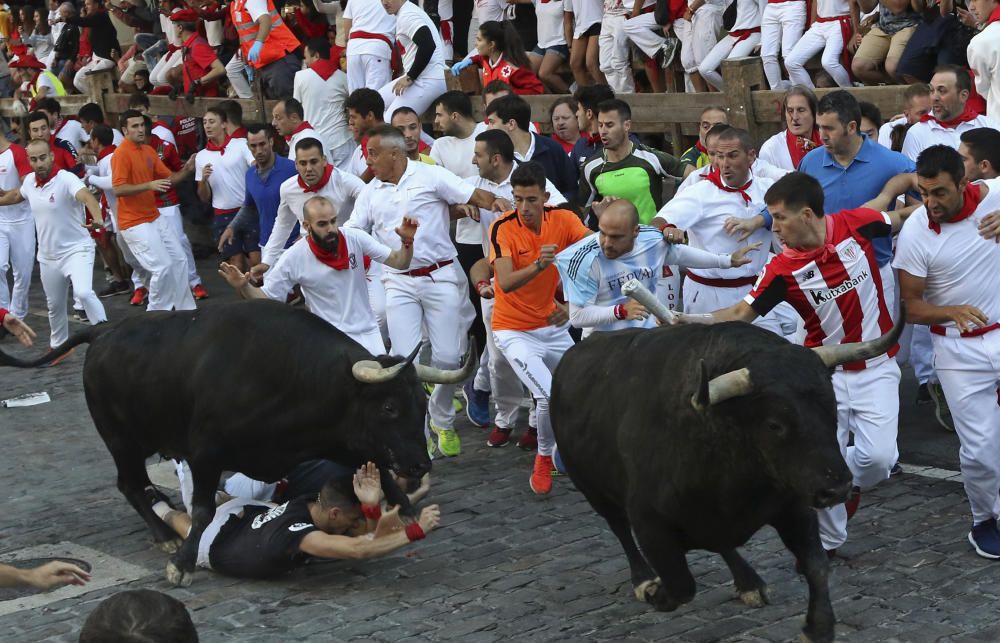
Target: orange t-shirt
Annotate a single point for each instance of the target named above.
(529, 307)
(133, 164)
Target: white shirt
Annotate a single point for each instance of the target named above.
(164, 134)
(102, 179)
(885, 132)
(168, 30)
(369, 16)
(924, 134)
(357, 164)
(959, 266)
(304, 133)
(984, 59)
(59, 217)
(73, 133)
(749, 14)
(455, 155)
(340, 297)
(702, 211)
(504, 190)
(409, 20)
(832, 8)
(759, 168)
(549, 15)
(487, 10)
(586, 13)
(775, 151)
(342, 189)
(10, 179)
(229, 170)
(424, 193)
(323, 105)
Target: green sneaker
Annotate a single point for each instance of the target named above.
(448, 441)
(432, 449)
(456, 402)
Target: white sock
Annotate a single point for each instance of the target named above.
(161, 509)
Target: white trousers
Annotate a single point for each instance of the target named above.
(868, 408)
(726, 48)
(502, 382)
(158, 75)
(821, 36)
(17, 254)
(698, 36)
(159, 252)
(172, 215)
(615, 62)
(222, 515)
(781, 27)
(77, 268)
(371, 340)
(644, 33)
(534, 355)
(376, 299)
(969, 371)
(440, 303)
(236, 72)
(81, 81)
(701, 298)
(368, 70)
(418, 96)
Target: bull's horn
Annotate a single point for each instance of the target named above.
(371, 372)
(719, 389)
(839, 354)
(433, 375)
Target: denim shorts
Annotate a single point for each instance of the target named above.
(560, 50)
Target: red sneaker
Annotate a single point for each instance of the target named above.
(199, 292)
(541, 476)
(498, 437)
(138, 296)
(529, 439)
(853, 502)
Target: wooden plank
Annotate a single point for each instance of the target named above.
(650, 112)
(70, 105)
(741, 77)
(889, 99)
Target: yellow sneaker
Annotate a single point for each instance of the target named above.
(448, 441)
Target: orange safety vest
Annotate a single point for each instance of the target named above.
(280, 40)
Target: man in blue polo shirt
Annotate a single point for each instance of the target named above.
(263, 179)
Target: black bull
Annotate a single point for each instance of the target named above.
(695, 437)
(255, 387)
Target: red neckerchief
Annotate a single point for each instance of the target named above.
(240, 132)
(968, 114)
(304, 125)
(324, 68)
(62, 123)
(221, 149)
(798, 146)
(110, 149)
(340, 261)
(594, 139)
(364, 147)
(327, 173)
(715, 177)
(971, 197)
(701, 148)
(994, 16)
(819, 254)
(52, 174)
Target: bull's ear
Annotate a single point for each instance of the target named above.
(700, 400)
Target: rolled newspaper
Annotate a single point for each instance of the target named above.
(634, 289)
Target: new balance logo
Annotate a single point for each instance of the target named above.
(823, 296)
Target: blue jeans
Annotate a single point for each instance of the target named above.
(153, 47)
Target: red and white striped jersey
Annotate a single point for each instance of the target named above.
(838, 293)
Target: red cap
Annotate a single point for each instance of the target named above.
(27, 61)
(184, 15)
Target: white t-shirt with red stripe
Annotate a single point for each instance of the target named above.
(13, 166)
(840, 297)
(959, 266)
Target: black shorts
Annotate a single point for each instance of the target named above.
(244, 241)
(592, 32)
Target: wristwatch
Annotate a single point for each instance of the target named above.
(538, 264)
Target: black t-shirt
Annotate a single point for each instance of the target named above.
(264, 542)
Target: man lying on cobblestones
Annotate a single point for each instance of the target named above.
(254, 539)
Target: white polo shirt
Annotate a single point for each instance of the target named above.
(338, 296)
(702, 210)
(369, 16)
(13, 161)
(960, 267)
(341, 188)
(926, 133)
(305, 131)
(323, 105)
(455, 155)
(487, 10)
(586, 13)
(409, 20)
(59, 217)
(229, 169)
(424, 193)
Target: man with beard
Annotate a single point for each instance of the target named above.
(329, 267)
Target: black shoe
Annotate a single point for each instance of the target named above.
(923, 395)
(80, 315)
(154, 495)
(115, 288)
(895, 470)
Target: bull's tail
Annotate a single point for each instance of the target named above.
(83, 337)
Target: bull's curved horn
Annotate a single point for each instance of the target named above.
(839, 354)
(371, 372)
(433, 375)
(721, 388)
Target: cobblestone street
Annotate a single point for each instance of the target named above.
(505, 564)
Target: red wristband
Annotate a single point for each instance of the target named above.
(480, 284)
(407, 243)
(371, 512)
(414, 531)
(665, 226)
(620, 312)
